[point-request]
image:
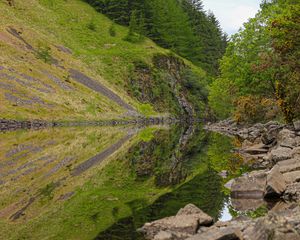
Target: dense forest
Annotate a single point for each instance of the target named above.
(260, 75)
(182, 26)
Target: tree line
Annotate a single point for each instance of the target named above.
(181, 25)
(260, 71)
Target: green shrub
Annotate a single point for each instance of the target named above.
(112, 30)
(44, 53)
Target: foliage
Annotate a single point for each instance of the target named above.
(182, 26)
(136, 28)
(254, 109)
(261, 62)
(112, 30)
(91, 25)
(44, 53)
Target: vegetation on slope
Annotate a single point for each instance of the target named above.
(260, 71)
(42, 41)
(182, 26)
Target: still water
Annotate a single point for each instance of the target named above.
(104, 183)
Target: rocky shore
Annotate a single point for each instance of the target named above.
(272, 150)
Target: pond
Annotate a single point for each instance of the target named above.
(106, 182)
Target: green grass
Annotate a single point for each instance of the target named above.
(79, 27)
(96, 52)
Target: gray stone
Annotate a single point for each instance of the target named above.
(296, 152)
(297, 125)
(270, 135)
(280, 154)
(250, 186)
(273, 226)
(275, 183)
(215, 233)
(292, 177)
(229, 184)
(286, 138)
(292, 193)
(187, 221)
(289, 165)
(247, 204)
(257, 149)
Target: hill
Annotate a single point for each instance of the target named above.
(60, 61)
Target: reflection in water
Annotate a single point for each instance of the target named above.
(57, 184)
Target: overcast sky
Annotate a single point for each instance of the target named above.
(232, 13)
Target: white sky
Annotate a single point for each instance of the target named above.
(232, 13)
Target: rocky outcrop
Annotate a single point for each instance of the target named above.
(185, 224)
(275, 150)
(275, 225)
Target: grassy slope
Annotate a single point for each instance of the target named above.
(48, 23)
(109, 60)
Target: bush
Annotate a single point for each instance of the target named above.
(44, 53)
(112, 30)
(254, 109)
(91, 25)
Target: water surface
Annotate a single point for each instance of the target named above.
(105, 182)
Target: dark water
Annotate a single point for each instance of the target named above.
(104, 183)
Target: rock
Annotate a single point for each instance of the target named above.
(289, 165)
(297, 125)
(214, 233)
(296, 152)
(223, 174)
(167, 235)
(245, 204)
(280, 154)
(229, 184)
(273, 226)
(297, 140)
(247, 144)
(286, 138)
(163, 235)
(275, 183)
(186, 222)
(292, 192)
(270, 135)
(257, 149)
(292, 177)
(191, 209)
(250, 186)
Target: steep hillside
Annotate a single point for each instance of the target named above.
(60, 61)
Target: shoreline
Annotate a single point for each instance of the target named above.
(272, 150)
(13, 125)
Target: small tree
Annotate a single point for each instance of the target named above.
(136, 28)
(112, 30)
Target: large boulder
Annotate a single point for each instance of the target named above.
(292, 192)
(247, 204)
(297, 125)
(292, 177)
(215, 233)
(273, 226)
(281, 154)
(286, 138)
(289, 165)
(275, 183)
(249, 186)
(185, 223)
